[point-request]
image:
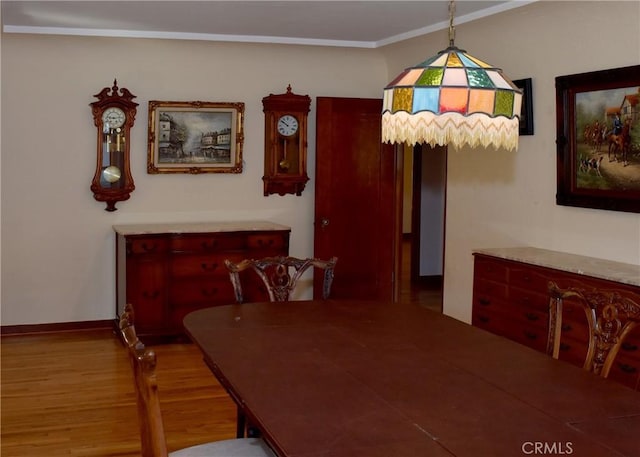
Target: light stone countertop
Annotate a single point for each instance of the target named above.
(625, 273)
(197, 227)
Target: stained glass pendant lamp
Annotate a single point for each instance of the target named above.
(454, 99)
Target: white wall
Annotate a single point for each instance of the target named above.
(499, 198)
(57, 241)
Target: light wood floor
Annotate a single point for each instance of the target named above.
(71, 394)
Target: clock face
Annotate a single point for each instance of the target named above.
(111, 174)
(287, 125)
(114, 117)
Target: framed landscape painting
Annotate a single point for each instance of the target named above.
(195, 137)
(598, 139)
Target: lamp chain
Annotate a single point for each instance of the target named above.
(452, 30)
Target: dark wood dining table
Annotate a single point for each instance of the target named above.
(358, 378)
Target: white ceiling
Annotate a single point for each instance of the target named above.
(366, 24)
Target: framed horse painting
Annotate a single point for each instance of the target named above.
(598, 139)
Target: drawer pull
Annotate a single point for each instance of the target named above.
(531, 316)
(626, 346)
(209, 266)
(484, 301)
(209, 292)
(530, 335)
(566, 328)
(627, 368)
(565, 347)
(525, 300)
(212, 244)
(268, 242)
(483, 319)
(151, 295)
(149, 248)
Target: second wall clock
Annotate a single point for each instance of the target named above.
(285, 143)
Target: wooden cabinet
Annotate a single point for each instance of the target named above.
(510, 299)
(166, 271)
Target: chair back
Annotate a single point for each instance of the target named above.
(610, 318)
(143, 364)
(280, 275)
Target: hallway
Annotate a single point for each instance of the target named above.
(427, 295)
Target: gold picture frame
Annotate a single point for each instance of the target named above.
(195, 137)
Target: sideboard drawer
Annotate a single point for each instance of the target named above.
(147, 245)
(189, 265)
(489, 269)
(573, 351)
(491, 290)
(208, 242)
(201, 292)
(528, 278)
(496, 320)
(266, 241)
(626, 370)
(529, 299)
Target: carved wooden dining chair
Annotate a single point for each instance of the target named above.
(610, 318)
(280, 275)
(153, 442)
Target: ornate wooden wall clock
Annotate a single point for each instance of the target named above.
(113, 116)
(285, 143)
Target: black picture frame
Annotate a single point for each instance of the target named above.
(591, 170)
(526, 112)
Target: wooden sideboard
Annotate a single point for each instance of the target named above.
(510, 299)
(168, 270)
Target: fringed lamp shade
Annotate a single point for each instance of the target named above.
(452, 99)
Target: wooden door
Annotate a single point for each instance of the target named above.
(357, 203)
